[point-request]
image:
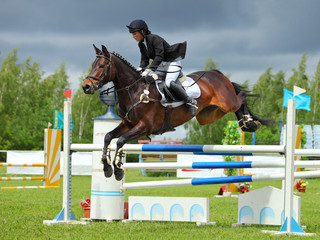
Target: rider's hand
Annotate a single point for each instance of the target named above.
(146, 72)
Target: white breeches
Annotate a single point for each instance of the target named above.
(170, 70)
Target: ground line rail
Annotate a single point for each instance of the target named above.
(21, 178)
(23, 165)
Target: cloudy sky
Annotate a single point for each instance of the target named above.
(244, 36)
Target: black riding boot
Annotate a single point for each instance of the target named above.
(181, 94)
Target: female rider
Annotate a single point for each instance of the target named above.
(166, 59)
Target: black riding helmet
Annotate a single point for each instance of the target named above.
(137, 26)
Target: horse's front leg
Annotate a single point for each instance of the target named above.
(137, 131)
(106, 157)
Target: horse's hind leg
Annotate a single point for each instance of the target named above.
(137, 131)
(245, 119)
(106, 158)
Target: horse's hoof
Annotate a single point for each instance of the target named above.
(253, 126)
(118, 173)
(108, 171)
(258, 124)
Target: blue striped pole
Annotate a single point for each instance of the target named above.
(216, 180)
(210, 165)
(239, 150)
(206, 165)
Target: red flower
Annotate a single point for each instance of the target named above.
(85, 203)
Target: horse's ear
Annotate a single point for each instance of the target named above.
(105, 50)
(98, 51)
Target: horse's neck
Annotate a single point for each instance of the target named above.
(128, 86)
(124, 75)
(124, 80)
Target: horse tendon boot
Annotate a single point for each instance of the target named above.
(117, 165)
(106, 160)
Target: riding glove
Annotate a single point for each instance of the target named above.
(146, 72)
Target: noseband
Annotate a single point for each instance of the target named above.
(99, 85)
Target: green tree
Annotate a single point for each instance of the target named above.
(268, 105)
(315, 95)
(27, 102)
(85, 107)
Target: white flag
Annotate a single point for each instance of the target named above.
(298, 91)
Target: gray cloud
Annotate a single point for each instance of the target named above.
(245, 37)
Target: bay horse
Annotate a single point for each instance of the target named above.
(142, 113)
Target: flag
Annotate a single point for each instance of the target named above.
(302, 101)
(67, 93)
(58, 120)
(297, 91)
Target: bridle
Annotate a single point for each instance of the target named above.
(106, 70)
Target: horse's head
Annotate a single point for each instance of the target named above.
(101, 71)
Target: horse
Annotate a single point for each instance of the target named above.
(142, 113)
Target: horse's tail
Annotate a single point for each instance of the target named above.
(240, 88)
(245, 109)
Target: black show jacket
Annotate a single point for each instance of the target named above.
(159, 50)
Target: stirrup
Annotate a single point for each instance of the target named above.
(192, 106)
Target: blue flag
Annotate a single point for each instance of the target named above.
(58, 120)
(302, 101)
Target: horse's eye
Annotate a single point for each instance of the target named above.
(101, 66)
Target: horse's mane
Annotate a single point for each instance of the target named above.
(125, 61)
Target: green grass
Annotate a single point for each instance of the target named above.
(22, 213)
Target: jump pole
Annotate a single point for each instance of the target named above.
(66, 216)
(206, 165)
(238, 150)
(290, 225)
(246, 150)
(215, 180)
(23, 165)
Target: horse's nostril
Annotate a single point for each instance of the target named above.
(86, 87)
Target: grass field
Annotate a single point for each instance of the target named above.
(22, 213)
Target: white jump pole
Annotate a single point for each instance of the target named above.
(289, 169)
(67, 140)
(66, 215)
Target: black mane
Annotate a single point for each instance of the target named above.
(125, 61)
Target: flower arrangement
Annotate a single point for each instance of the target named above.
(301, 184)
(85, 203)
(231, 137)
(244, 187)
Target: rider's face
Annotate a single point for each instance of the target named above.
(137, 36)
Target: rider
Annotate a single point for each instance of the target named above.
(166, 58)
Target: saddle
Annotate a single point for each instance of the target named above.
(169, 101)
(168, 97)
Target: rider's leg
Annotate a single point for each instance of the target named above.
(176, 87)
(178, 90)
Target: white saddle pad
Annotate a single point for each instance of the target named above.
(192, 90)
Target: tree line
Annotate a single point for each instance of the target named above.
(28, 99)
